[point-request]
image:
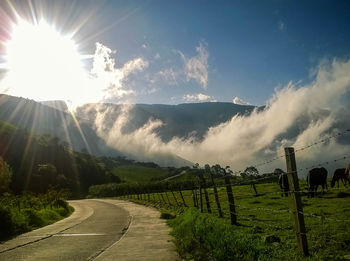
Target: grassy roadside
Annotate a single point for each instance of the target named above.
(266, 227)
(20, 214)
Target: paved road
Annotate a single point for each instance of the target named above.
(85, 235)
(100, 230)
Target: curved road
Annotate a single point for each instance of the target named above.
(85, 235)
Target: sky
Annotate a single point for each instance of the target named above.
(292, 56)
(196, 51)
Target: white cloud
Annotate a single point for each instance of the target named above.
(168, 75)
(144, 46)
(200, 97)
(293, 117)
(196, 67)
(112, 79)
(239, 101)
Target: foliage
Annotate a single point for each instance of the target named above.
(5, 176)
(22, 213)
(40, 162)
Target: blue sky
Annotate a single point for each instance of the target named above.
(230, 48)
(171, 52)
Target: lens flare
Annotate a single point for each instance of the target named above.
(42, 64)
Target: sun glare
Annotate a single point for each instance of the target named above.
(42, 64)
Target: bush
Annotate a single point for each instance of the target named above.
(5, 222)
(22, 213)
(167, 215)
(33, 217)
(48, 216)
(63, 211)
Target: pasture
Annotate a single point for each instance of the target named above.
(135, 173)
(268, 215)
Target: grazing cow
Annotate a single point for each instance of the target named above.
(284, 185)
(340, 174)
(316, 177)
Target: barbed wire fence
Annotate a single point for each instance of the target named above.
(208, 196)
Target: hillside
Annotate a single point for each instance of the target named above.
(38, 118)
(39, 162)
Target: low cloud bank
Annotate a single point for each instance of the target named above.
(239, 101)
(199, 97)
(294, 116)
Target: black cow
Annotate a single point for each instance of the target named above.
(339, 174)
(316, 177)
(284, 185)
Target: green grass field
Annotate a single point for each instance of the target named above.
(134, 173)
(327, 218)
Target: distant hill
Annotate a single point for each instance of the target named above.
(59, 105)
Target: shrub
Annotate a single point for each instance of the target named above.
(48, 216)
(63, 211)
(167, 215)
(5, 222)
(34, 219)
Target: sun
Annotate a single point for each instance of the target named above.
(42, 64)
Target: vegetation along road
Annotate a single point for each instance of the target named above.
(97, 230)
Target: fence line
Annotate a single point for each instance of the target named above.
(203, 194)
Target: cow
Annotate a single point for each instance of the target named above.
(284, 185)
(340, 174)
(316, 177)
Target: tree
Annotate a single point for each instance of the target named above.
(44, 178)
(251, 171)
(5, 176)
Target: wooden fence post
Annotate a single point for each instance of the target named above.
(297, 207)
(254, 187)
(231, 200)
(216, 195)
(161, 194)
(160, 201)
(201, 198)
(166, 194)
(194, 197)
(182, 197)
(172, 192)
(206, 195)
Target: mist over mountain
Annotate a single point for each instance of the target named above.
(188, 120)
(182, 121)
